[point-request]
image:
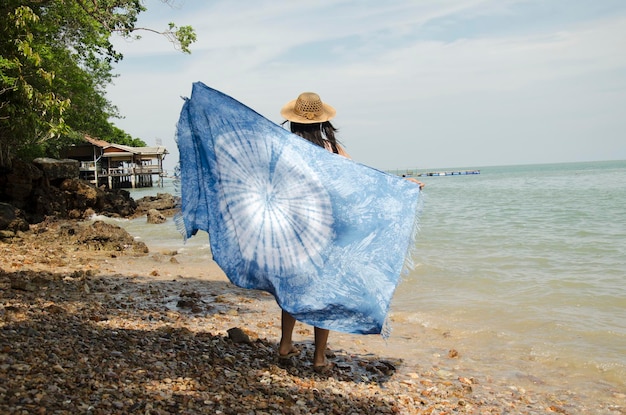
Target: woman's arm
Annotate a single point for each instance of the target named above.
(414, 180)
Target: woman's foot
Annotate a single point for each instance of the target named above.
(323, 368)
(288, 352)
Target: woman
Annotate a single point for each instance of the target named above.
(309, 118)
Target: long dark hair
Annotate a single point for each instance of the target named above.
(317, 133)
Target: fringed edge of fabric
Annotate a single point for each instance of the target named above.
(179, 220)
(411, 254)
(409, 259)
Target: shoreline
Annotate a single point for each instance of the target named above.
(113, 332)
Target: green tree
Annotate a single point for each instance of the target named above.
(55, 62)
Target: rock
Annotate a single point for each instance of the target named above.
(154, 216)
(49, 187)
(237, 335)
(165, 203)
(104, 236)
(54, 169)
(118, 203)
(18, 184)
(58, 368)
(12, 219)
(23, 285)
(84, 195)
(162, 201)
(47, 201)
(6, 234)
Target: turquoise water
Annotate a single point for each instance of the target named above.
(525, 268)
(522, 269)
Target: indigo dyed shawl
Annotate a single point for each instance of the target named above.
(326, 236)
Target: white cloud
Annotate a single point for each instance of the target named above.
(414, 83)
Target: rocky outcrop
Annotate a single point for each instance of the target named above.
(83, 235)
(165, 203)
(83, 197)
(102, 236)
(51, 188)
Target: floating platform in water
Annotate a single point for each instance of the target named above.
(450, 173)
(441, 173)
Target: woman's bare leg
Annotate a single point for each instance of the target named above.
(321, 338)
(287, 325)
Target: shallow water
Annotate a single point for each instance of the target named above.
(525, 267)
(521, 269)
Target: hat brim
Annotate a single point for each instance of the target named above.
(288, 112)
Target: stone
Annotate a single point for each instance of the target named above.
(84, 195)
(18, 184)
(118, 203)
(165, 203)
(12, 219)
(237, 335)
(4, 234)
(103, 236)
(154, 216)
(54, 169)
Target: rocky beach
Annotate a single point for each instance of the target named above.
(94, 322)
(109, 327)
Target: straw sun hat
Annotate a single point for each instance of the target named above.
(307, 109)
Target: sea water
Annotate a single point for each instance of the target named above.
(520, 269)
(524, 269)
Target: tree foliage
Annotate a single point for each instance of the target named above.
(56, 60)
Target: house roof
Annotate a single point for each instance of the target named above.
(113, 150)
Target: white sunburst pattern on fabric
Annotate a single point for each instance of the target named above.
(326, 236)
(278, 209)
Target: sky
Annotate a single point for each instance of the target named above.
(416, 84)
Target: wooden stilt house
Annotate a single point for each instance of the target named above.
(119, 166)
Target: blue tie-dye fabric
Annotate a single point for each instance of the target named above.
(327, 236)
